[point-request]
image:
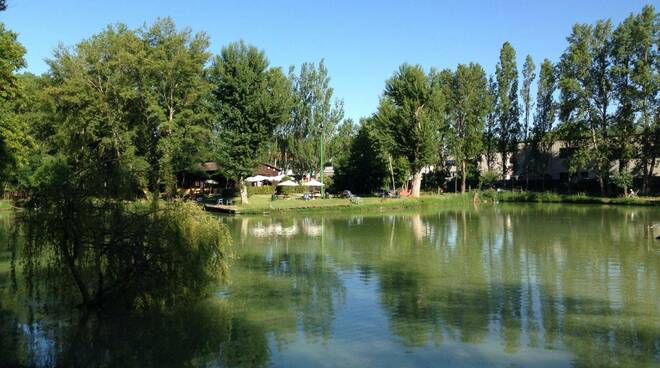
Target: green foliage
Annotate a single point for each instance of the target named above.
(529, 73)
(635, 83)
(622, 180)
(315, 115)
(251, 101)
(14, 138)
(585, 86)
(490, 127)
(467, 105)
(113, 252)
(339, 145)
(542, 138)
(487, 179)
(145, 101)
(507, 109)
(365, 170)
(410, 116)
(264, 189)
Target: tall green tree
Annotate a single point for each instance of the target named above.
(174, 132)
(340, 143)
(365, 168)
(140, 92)
(13, 133)
(467, 101)
(410, 114)
(251, 100)
(529, 74)
(315, 115)
(586, 94)
(490, 128)
(544, 117)
(508, 108)
(645, 78)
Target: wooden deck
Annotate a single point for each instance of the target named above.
(220, 208)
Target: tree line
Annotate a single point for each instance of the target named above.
(153, 102)
(143, 105)
(599, 101)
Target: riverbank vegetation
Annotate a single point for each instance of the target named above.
(94, 145)
(262, 204)
(158, 95)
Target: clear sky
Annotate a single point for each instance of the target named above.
(363, 42)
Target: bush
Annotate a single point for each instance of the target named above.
(266, 189)
(622, 180)
(487, 179)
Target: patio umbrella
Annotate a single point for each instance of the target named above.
(313, 183)
(256, 178)
(288, 183)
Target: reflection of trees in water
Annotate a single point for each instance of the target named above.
(570, 277)
(290, 281)
(209, 334)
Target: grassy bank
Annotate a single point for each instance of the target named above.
(549, 197)
(263, 203)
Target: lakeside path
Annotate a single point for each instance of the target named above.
(260, 204)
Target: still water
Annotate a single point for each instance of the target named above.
(505, 286)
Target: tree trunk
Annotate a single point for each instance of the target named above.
(416, 184)
(504, 168)
(601, 185)
(244, 194)
(392, 173)
(463, 176)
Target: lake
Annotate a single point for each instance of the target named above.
(501, 286)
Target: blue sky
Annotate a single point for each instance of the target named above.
(363, 42)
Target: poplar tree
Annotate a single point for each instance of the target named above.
(645, 78)
(315, 115)
(586, 92)
(529, 74)
(490, 129)
(544, 117)
(467, 100)
(508, 109)
(410, 114)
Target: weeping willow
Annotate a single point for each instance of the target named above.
(108, 250)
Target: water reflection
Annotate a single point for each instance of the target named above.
(503, 286)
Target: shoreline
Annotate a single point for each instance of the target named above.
(263, 205)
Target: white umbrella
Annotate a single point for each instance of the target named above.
(211, 181)
(313, 183)
(275, 178)
(256, 178)
(288, 183)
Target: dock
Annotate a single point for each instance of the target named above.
(221, 208)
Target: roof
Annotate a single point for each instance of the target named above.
(266, 170)
(210, 166)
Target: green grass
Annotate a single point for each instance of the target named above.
(5, 204)
(549, 197)
(263, 203)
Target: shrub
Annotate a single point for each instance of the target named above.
(266, 189)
